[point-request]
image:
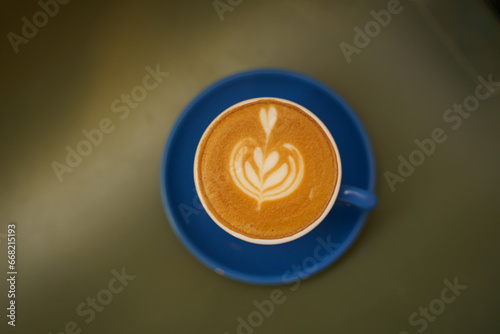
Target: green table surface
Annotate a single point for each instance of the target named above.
(75, 235)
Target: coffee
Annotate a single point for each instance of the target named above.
(266, 169)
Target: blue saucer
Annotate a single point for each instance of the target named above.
(232, 257)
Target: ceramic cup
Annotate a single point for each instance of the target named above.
(343, 194)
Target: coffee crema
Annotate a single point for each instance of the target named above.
(266, 169)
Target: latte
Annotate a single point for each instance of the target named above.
(267, 169)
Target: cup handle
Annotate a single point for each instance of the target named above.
(358, 197)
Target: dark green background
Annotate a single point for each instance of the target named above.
(441, 223)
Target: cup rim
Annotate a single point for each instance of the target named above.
(311, 226)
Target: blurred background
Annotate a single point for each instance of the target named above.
(99, 225)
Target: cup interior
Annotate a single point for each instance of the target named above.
(309, 227)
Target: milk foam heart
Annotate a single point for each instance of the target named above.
(266, 176)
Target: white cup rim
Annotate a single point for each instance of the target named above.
(308, 228)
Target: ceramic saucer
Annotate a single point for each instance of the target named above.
(232, 257)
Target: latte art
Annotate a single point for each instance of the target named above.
(266, 176)
(266, 169)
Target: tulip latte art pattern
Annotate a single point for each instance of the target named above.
(266, 173)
